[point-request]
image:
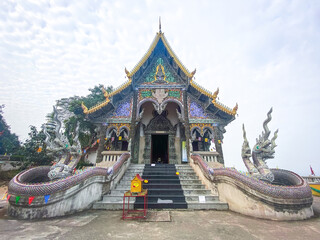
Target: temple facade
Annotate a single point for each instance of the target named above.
(161, 114)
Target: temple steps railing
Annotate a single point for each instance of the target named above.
(312, 179)
(209, 157)
(109, 158)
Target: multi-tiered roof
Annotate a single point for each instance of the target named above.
(158, 40)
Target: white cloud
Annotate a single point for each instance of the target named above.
(260, 54)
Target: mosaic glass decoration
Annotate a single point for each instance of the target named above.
(160, 73)
(175, 94)
(146, 94)
(123, 110)
(196, 111)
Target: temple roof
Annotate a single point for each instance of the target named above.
(160, 37)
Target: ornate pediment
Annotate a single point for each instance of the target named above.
(160, 72)
(160, 123)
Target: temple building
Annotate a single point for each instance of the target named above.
(161, 114)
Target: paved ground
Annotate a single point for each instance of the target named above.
(95, 224)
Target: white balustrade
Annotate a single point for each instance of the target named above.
(109, 158)
(312, 179)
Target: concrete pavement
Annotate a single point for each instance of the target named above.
(95, 224)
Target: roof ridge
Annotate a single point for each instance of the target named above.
(160, 35)
(215, 102)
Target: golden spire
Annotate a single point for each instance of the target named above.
(126, 71)
(160, 24)
(235, 109)
(214, 96)
(105, 93)
(194, 72)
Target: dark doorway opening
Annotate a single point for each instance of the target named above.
(159, 149)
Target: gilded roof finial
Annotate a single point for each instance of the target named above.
(160, 24)
(127, 72)
(215, 95)
(235, 109)
(84, 108)
(194, 72)
(105, 93)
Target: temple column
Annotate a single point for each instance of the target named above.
(147, 149)
(101, 136)
(218, 135)
(142, 144)
(178, 145)
(134, 144)
(186, 124)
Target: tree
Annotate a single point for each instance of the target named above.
(86, 128)
(34, 149)
(72, 106)
(9, 142)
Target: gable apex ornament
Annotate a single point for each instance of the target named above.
(160, 94)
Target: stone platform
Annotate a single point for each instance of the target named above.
(187, 225)
(166, 189)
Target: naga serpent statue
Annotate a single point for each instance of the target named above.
(262, 150)
(58, 190)
(266, 193)
(59, 146)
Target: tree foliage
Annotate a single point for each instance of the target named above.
(9, 142)
(30, 152)
(34, 149)
(86, 128)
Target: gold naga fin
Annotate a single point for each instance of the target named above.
(235, 109)
(84, 108)
(215, 95)
(127, 72)
(193, 73)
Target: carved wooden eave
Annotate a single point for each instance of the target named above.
(212, 99)
(108, 96)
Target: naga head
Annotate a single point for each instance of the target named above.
(56, 141)
(264, 148)
(246, 152)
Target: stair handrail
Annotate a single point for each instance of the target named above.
(208, 171)
(113, 170)
(300, 190)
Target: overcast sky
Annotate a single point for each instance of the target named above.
(260, 54)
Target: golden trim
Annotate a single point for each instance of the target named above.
(97, 107)
(117, 90)
(107, 96)
(214, 99)
(202, 126)
(157, 70)
(84, 108)
(151, 48)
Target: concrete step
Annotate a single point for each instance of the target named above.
(164, 186)
(110, 205)
(191, 198)
(209, 205)
(168, 191)
(173, 172)
(127, 182)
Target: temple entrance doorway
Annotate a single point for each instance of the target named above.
(159, 152)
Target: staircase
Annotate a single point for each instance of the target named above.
(166, 189)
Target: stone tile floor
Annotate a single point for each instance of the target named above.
(95, 224)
